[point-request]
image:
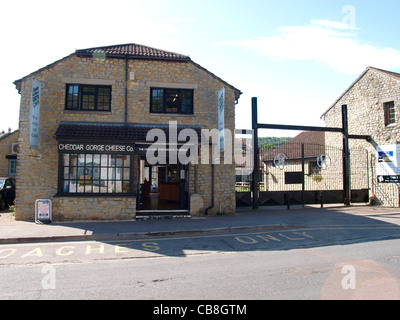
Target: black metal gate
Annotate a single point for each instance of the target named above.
(304, 173)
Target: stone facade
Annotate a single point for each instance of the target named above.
(38, 170)
(365, 99)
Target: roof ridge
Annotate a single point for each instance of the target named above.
(395, 74)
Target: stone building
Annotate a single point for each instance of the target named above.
(274, 173)
(98, 108)
(8, 153)
(373, 102)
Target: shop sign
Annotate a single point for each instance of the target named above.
(101, 148)
(388, 167)
(221, 119)
(34, 115)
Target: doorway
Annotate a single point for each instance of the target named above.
(163, 188)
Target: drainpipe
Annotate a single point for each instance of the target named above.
(126, 89)
(212, 190)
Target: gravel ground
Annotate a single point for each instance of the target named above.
(6, 216)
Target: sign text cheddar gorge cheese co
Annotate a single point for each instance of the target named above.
(97, 148)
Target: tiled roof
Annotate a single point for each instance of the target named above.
(113, 131)
(133, 51)
(314, 145)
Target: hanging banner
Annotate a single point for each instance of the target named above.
(221, 119)
(388, 168)
(34, 115)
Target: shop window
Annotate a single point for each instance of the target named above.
(390, 113)
(171, 101)
(102, 174)
(88, 98)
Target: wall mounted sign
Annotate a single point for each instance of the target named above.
(388, 167)
(34, 115)
(99, 148)
(221, 119)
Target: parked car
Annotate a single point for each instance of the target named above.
(7, 192)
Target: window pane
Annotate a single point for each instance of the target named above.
(187, 101)
(127, 172)
(72, 96)
(172, 101)
(119, 162)
(103, 186)
(118, 187)
(157, 96)
(104, 160)
(103, 174)
(127, 161)
(111, 173)
(111, 187)
(66, 159)
(126, 187)
(96, 160)
(66, 173)
(72, 187)
(81, 160)
(89, 159)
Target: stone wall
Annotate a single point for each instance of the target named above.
(38, 176)
(365, 99)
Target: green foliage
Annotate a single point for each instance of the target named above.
(267, 143)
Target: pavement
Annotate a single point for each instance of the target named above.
(12, 232)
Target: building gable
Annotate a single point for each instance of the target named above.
(393, 75)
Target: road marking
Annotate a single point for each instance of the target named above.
(131, 248)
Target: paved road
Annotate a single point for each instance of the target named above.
(304, 263)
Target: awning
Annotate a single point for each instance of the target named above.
(115, 131)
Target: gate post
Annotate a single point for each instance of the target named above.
(255, 152)
(346, 157)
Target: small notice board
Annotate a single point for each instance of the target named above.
(43, 211)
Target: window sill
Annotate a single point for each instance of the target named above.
(90, 195)
(87, 111)
(172, 114)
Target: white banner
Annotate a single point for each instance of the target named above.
(388, 168)
(221, 119)
(34, 114)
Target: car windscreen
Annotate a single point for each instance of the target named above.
(2, 183)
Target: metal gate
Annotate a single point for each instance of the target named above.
(308, 173)
(304, 173)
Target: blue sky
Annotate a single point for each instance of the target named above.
(296, 56)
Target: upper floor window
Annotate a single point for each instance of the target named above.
(390, 113)
(171, 101)
(88, 97)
